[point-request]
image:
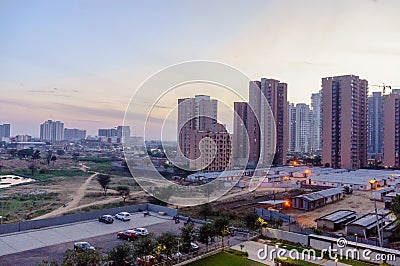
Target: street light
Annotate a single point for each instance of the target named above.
(356, 240)
(373, 181)
(336, 260)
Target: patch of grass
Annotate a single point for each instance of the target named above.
(223, 259)
(48, 174)
(284, 261)
(357, 262)
(25, 207)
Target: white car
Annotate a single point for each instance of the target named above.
(123, 216)
(140, 231)
(83, 246)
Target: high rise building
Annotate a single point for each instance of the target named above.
(195, 113)
(52, 131)
(316, 122)
(107, 132)
(344, 121)
(266, 122)
(275, 93)
(375, 123)
(391, 137)
(240, 136)
(200, 138)
(299, 127)
(124, 133)
(5, 131)
(302, 128)
(74, 134)
(292, 127)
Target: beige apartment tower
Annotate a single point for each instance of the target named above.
(344, 122)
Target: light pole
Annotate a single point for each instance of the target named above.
(336, 260)
(356, 241)
(376, 214)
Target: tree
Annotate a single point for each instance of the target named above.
(104, 181)
(169, 243)
(121, 255)
(206, 234)
(36, 155)
(205, 210)
(75, 157)
(87, 258)
(188, 235)
(53, 159)
(251, 219)
(33, 168)
(25, 153)
(395, 207)
(12, 153)
(123, 191)
(220, 226)
(145, 245)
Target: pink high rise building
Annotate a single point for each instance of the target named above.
(344, 122)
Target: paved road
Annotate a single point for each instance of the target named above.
(103, 236)
(33, 239)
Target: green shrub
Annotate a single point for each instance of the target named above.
(244, 254)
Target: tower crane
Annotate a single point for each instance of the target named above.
(383, 86)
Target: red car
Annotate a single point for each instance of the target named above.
(127, 234)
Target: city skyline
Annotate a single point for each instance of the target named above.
(71, 61)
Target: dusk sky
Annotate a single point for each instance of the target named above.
(80, 61)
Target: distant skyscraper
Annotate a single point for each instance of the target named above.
(302, 128)
(5, 131)
(275, 93)
(316, 122)
(375, 123)
(391, 137)
(107, 132)
(52, 131)
(74, 134)
(240, 136)
(124, 132)
(292, 127)
(194, 114)
(299, 127)
(344, 121)
(197, 125)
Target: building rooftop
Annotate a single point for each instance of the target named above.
(338, 216)
(321, 194)
(368, 220)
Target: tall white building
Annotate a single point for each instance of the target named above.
(316, 122)
(5, 130)
(302, 127)
(299, 127)
(292, 127)
(375, 124)
(52, 131)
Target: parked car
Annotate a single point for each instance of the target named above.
(140, 231)
(123, 216)
(177, 255)
(194, 247)
(127, 234)
(147, 260)
(83, 246)
(107, 219)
